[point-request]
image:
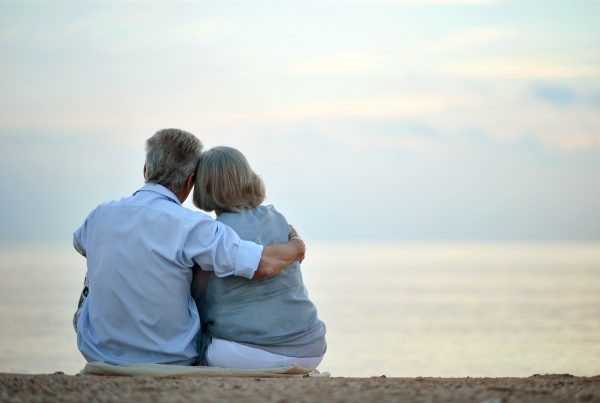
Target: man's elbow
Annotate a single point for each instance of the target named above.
(78, 247)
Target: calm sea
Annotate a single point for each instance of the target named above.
(399, 309)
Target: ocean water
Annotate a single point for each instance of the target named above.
(399, 309)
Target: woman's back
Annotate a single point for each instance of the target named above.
(274, 314)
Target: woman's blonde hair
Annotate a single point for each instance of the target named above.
(226, 182)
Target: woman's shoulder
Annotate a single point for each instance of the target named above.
(262, 211)
(262, 224)
(271, 212)
(270, 209)
(259, 216)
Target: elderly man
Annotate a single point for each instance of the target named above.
(136, 306)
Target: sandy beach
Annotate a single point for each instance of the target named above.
(69, 388)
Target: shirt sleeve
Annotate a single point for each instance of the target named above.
(218, 248)
(80, 237)
(248, 259)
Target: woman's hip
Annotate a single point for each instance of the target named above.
(229, 354)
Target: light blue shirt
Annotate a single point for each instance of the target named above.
(140, 251)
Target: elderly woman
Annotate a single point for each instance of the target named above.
(251, 323)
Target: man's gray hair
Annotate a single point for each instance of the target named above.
(171, 156)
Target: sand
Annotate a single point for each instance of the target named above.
(69, 388)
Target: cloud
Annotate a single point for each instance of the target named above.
(452, 2)
(370, 107)
(513, 120)
(555, 94)
(573, 140)
(385, 135)
(399, 58)
(439, 2)
(564, 96)
(133, 112)
(523, 68)
(344, 63)
(594, 99)
(94, 2)
(473, 38)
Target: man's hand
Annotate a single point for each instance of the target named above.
(294, 237)
(293, 232)
(275, 258)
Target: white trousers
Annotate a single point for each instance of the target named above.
(229, 354)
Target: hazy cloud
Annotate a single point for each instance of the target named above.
(430, 119)
(475, 37)
(442, 2)
(555, 94)
(565, 96)
(523, 68)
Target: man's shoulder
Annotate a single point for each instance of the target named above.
(107, 206)
(100, 207)
(195, 215)
(154, 206)
(115, 202)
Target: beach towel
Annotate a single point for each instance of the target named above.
(294, 370)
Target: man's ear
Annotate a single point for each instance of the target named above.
(145, 169)
(189, 182)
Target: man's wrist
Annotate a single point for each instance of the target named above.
(299, 245)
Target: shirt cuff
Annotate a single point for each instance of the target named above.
(247, 259)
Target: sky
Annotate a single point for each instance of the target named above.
(368, 120)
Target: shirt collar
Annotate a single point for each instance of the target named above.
(160, 189)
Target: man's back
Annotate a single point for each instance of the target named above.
(139, 307)
(140, 252)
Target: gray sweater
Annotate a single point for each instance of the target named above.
(273, 314)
